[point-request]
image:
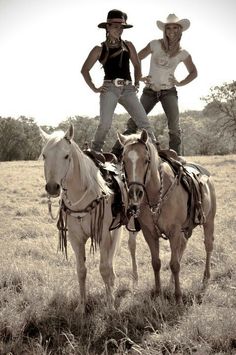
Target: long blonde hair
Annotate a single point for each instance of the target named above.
(171, 48)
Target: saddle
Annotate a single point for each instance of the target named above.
(189, 175)
(170, 156)
(113, 175)
(194, 183)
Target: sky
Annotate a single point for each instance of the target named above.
(44, 43)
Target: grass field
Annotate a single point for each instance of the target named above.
(39, 290)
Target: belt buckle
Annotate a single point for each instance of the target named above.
(119, 82)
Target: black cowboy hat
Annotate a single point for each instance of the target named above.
(115, 16)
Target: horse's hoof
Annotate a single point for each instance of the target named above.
(135, 278)
(159, 301)
(80, 309)
(205, 282)
(111, 310)
(179, 300)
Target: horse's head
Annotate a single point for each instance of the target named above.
(57, 157)
(136, 161)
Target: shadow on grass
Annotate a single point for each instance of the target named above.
(59, 327)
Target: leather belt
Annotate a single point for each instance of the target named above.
(153, 87)
(119, 82)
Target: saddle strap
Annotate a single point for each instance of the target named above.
(124, 201)
(196, 214)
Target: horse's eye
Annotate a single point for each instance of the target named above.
(44, 157)
(67, 156)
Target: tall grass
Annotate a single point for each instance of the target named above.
(39, 288)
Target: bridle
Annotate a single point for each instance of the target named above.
(142, 184)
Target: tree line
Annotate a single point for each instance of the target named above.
(208, 132)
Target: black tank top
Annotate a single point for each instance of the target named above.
(115, 66)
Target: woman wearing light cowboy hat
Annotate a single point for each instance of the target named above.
(166, 54)
(115, 55)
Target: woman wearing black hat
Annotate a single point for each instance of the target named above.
(115, 56)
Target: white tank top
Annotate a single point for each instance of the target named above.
(162, 65)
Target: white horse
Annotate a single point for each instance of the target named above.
(86, 206)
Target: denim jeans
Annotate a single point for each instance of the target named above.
(127, 97)
(169, 102)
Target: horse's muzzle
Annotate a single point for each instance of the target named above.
(53, 189)
(136, 194)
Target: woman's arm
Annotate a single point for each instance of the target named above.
(144, 52)
(92, 58)
(192, 70)
(136, 63)
(142, 55)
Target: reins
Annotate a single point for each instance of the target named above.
(156, 208)
(54, 218)
(72, 204)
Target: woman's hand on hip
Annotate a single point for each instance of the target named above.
(101, 89)
(146, 79)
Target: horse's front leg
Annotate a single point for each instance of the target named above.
(78, 246)
(132, 249)
(177, 245)
(153, 243)
(108, 247)
(208, 240)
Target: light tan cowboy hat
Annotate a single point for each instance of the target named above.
(115, 16)
(173, 19)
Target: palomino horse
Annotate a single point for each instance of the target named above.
(161, 204)
(86, 202)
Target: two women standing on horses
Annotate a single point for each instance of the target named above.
(160, 84)
(115, 55)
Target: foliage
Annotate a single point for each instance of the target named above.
(201, 137)
(19, 139)
(221, 106)
(84, 128)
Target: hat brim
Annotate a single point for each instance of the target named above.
(104, 25)
(185, 24)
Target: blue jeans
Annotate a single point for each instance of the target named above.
(169, 102)
(127, 97)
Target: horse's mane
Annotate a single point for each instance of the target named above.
(90, 175)
(154, 156)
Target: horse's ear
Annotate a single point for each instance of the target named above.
(144, 136)
(70, 133)
(44, 135)
(121, 138)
